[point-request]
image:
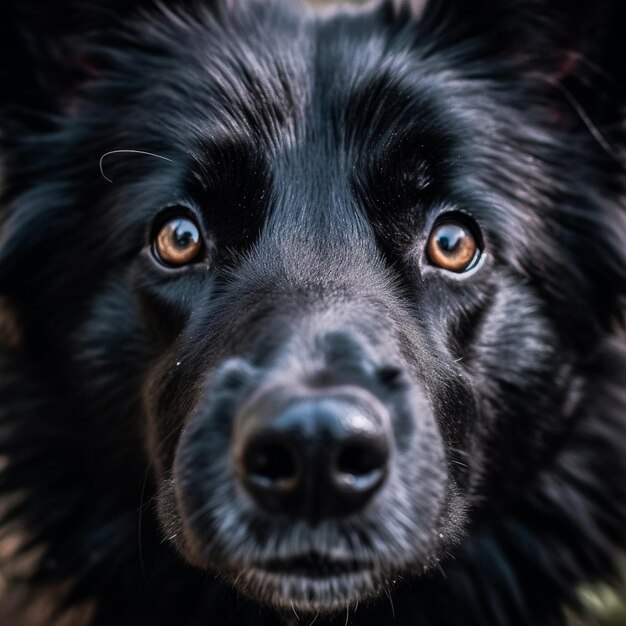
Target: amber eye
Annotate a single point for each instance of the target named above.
(178, 242)
(452, 246)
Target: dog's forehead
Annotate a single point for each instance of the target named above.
(333, 106)
(287, 79)
(308, 110)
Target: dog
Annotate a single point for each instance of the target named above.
(311, 314)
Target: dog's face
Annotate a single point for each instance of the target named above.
(327, 279)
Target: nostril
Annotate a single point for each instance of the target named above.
(391, 376)
(271, 465)
(358, 460)
(360, 466)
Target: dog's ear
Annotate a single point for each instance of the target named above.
(552, 37)
(44, 61)
(47, 46)
(41, 48)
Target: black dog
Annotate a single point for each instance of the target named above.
(311, 315)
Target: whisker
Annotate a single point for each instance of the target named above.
(587, 121)
(584, 116)
(293, 608)
(315, 618)
(142, 496)
(143, 152)
(393, 608)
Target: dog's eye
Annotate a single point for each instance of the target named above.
(452, 247)
(178, 242)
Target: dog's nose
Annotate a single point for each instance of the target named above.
(316, 457)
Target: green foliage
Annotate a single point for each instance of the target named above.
(606, 605)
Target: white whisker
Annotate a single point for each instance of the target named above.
(587, 121)
(393, 608)
(293, 608)
(315, 618)
(143, 152)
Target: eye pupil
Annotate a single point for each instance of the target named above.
(185, 233)
(178, 242)
(449, 237)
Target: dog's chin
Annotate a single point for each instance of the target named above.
(310, 592)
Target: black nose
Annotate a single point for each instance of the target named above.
(314, 457)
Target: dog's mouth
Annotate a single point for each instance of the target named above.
(311, 582)
(315, 566)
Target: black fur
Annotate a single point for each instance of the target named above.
(317, 150)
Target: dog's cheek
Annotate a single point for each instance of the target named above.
(168, 399)
(521, 383)
(174, 350)
(171, 391)
(125, 372)
(108, 356)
